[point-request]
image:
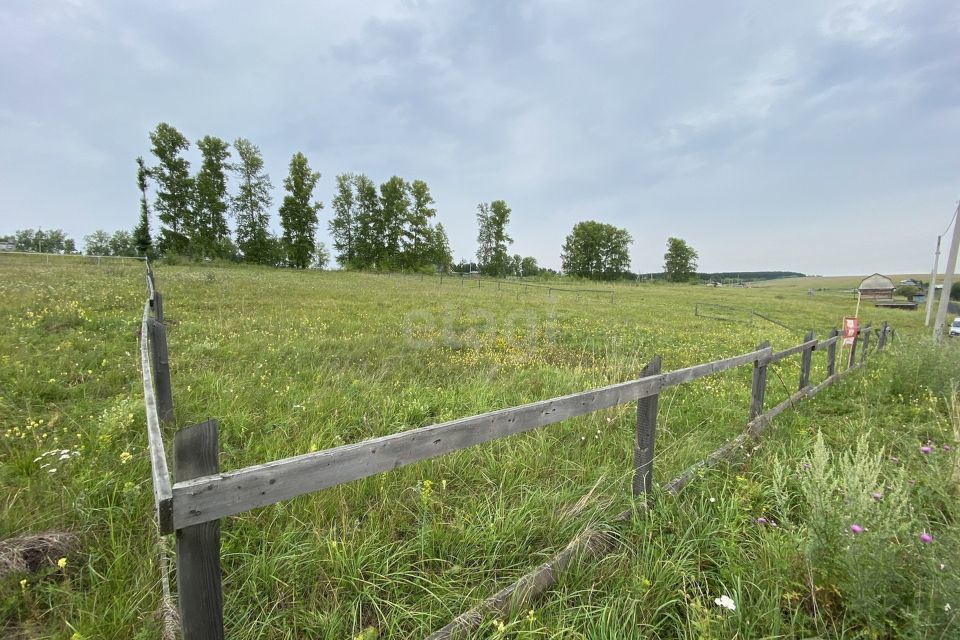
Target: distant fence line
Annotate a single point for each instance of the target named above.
(192, 504)
(468, 280)
(709, 306)
(81, 256)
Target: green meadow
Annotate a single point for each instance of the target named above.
(295, 361)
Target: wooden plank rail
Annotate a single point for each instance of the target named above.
(216, 496)
(162, 491)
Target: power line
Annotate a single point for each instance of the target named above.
(952, 220)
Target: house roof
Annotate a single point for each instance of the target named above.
(876, 281)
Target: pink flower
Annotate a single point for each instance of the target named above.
(946, 447)
(761, 521)
(878, 497)
(855, 528)
(925, 450)
(926, 538)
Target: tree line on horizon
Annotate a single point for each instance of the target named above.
(390, 227)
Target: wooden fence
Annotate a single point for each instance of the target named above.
(199, 495)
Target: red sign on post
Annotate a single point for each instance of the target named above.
(849, 331)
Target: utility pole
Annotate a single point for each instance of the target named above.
(947, 280)
(932, 287)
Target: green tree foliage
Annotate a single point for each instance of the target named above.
(417, 232)
(141, 233)
(298, 213)
(210, 235)
(394, 213)
(343, 224)
(174, 189)
(321, 256)
(907, 291)
(386, 230)
(596, 250)
(368, 238)
(955, 291)
(680, 261)
(529, 267)
(51, 241)
(122, 244)
(438, 251)
(492, 238)
(97, 243)
(251, 205)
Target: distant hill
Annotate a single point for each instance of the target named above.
(749, 276)
(738, 276)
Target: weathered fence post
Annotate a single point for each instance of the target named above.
(157, 305)
(853, 350)
(882, 340)
(161, 370)
(646, 435)
(866, 345)
(759, 387)
(805, 362)
(832, 352)
(195, 454)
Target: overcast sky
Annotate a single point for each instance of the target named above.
(821, 137)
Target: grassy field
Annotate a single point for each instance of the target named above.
(292, 362)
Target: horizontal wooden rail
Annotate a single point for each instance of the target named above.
(162, 491)
(780, 355)
(211, 497)
(826, 342)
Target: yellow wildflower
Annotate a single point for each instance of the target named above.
(62, 562)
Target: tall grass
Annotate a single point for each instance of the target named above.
(292, 362)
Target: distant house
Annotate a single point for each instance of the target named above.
(912, 282)
(7, 246)
(876, 287)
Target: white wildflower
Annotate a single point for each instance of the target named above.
(726, 603)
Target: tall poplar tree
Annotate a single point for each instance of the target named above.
(368, 242)
(298, 214)
(141, 233)
(492, 220)
(210, 232)
(174, 188)
(251, 205)
(394, 210)
(416, 240)
(343, 225)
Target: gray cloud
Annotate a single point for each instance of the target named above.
(815, 137)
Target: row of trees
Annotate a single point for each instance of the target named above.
(389, 229)
(193, 208)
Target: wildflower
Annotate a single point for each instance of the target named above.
(712, 500)
(925, 450)
(499, 626)
(761, 520)
(946, 447)
(531, 616)
(926, 538)
(62, 562)
(878, 497)
(443, 484)
(726, 602)
(125, 457)
(23, 584)
(947, 607)
(855, 528)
